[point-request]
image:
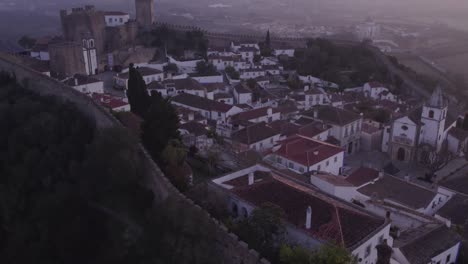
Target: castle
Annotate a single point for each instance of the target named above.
(98, 33)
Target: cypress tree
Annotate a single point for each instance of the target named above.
(137, 93)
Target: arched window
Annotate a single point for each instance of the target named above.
(91, 43)
(431, 114)
(85, 43)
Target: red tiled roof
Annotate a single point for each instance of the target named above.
(109, 101)
(306, 152)
(330, 221)
(362, 176)
(201, 103)
(254, 133)
(252, 114)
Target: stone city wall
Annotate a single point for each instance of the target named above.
(234, 250)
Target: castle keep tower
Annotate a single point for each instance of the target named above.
(144, 12)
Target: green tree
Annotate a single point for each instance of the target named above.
(232, 73)
(294, 255)
(27, 42)
(160, 125)
(171, 67)
(331, 254)
(205, 69)
(137, 93)
(174, 153)
(264, 230)
(384, 253)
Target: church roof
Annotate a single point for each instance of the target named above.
(437, 99)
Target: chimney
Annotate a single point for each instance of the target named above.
(251, 178)
(269, 111)
(308, 218)
(315, 113)
(191, 116)
(76, 81)
(407, 177)
(381, 174)
(316, 152)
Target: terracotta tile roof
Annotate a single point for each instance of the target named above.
(362, 176)
(252, 114)
(195, 128)
(420, 245)
(369, 129)
(400, 191)
(253, 134)
(222, 96)
(242, 88)
(333, 115)
(331, 221)
(184, 84)
(284, 127)
(213, 86)
(455, 210)
(201, 103)
(306, 152)
(109, 101)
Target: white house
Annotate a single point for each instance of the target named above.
(195, 134)
(113, 103)
(90, 55)
(149, 75)
(457, 141)
(248, 53)
(428, 244)
(115, 18)
(308, 213)
(226, 98)
(263, 114)
(242, 94)
(252, 73)
(284, 51)
(313, 97)
(85, 84)
(377, 91)
(210, 109)
(302, 155)
(346, 125)
(259, 137)
(316, 82)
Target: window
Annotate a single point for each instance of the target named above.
(447, 260)
(301, 169)
(404, 127)
(279, 160)
(336, 159)
(291, 165)
(326, 164)
(368, 251)
(319, 167)
(121, 20)
(381, 239)
(431, 114)
(110, 20)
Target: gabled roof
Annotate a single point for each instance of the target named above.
(254, 113)
(420, 245)
(333, 115)
(201, 103)
(455, 210)
(458, 133)
(194, 128)
(184, 84)
(306, 152)
(331, 221)
(242, 88)
(253, 134)
(400, 191)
